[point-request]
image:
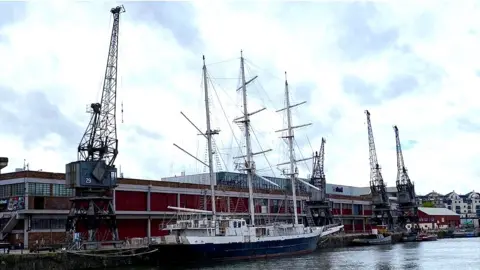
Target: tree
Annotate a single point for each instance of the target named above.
(428, 204)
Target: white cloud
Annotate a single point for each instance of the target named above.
(60, 49)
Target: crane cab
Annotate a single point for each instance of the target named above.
(90, 174)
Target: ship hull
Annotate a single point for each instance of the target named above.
(168, 253)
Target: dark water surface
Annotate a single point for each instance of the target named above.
(442, 254)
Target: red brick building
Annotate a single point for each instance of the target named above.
(431, 218)
(34, 204)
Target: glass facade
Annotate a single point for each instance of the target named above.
(39, 189)
(240, 180)
(59, 190)
(12, 190)
(35, 189)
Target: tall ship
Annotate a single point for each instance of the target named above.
(207, 236)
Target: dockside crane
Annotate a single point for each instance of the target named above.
(94, 176)
(407, 202)
(318, 208)
(382, 214)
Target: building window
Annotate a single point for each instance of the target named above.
(59, 190)
(39, 189)
(12, 190)
(48, 224)
(18, 189)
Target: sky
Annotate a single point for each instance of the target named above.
(414, 66)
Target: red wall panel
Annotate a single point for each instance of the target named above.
(348, 228)
(130, 228)
(156, 226)
(161, 201)
(238, 205)
(299, 210)
(130, 201)
(367, 212)
(358, 227)
(335, 211)
(208, 203)
(221, 205)
(346, 211)
(190, 201)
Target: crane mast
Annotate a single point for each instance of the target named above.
(407, 203)
(381, 205)
(319, 212)
(94, 176)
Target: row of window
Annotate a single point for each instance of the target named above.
(240, 180)
(354, 207)
(35, 189)
(12, 190)
(48, 224)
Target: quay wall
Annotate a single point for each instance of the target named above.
(345, 240)
(63, 261)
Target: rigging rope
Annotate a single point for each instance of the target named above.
(225, 115)
(261, 149)
(221, 62)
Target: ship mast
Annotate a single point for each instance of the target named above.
(293, 173)
(249, 164)
(209, 134)
(293, 169)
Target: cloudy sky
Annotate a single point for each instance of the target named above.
(414, 66)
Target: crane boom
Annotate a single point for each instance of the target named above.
(318, 174)
(403, 180)
(318, 208)
(380, 202)
(99, 142)
(407, 203)
(377, 185)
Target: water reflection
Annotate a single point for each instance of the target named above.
(443, 254)
(410, 258)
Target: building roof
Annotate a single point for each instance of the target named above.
(366, 190)
(431, 211)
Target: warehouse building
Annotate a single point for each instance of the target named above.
(34, 204)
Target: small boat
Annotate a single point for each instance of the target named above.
(373, 239)
(410, 237)
(464, 233)
(427, 237)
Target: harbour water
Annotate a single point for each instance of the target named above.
(442, 254)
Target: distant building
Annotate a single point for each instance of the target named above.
(467, 205)
(437, 218)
